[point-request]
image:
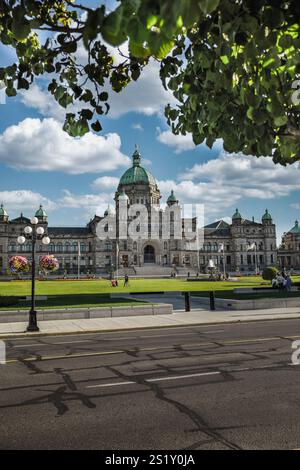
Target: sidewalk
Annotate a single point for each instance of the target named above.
(180, 318)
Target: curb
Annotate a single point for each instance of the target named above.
(117, 330)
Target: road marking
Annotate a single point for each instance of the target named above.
(111, 385)
(160, 348)
(28, 345)
(50, 344)
(69, 342)
(159, 379)
(182, 376)
(213, 331)
(165, 336)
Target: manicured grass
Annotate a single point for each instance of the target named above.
(76, 301)
(90, 293)
(21, 288)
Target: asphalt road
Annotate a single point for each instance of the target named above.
(205, 387)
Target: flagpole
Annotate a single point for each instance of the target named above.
(255, 254)
(117, 258)
(224, 267)
(78, 261)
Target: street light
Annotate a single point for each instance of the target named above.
(33, 233)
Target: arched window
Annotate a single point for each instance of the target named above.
(83, 247)
(59, 248)
(134, 245)
(74, 247)
(108, 246)
(165, 245)
(51, 248)
(12, 246)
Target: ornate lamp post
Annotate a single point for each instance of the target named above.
(33, 233)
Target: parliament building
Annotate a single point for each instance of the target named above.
(245, 245)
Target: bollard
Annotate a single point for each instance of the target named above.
(212, 300)
(187, 301)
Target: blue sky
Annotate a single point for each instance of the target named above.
(76, 178)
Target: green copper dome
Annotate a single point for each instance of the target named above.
(40, 212)
(3, 212)
(236, 215)
(267, 215)
(296, 228)
(137, 174)
(172, 197)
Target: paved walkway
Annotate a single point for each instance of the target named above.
(174, 298)
(196, 317)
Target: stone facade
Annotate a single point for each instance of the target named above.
(289, 250)
(80, 246)
(247, 245)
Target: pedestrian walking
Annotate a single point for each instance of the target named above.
(126, 280)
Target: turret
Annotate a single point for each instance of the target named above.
(236, 218)
(172, 199)
(41, 214)
(267, 218)
(3, 214)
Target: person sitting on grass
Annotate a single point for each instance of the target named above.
(288, 284)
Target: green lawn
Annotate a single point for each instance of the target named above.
(75, 301)
(95, 292)
(22, 288)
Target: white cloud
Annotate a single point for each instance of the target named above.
(24, 199)
(216, 199)
(182, 143)
(43, 102)
(42, 145)
(105, 182)
(222, 182)
(137, 127)
(89, 204)
(145, 96)
(247, 176)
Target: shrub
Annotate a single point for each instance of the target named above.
(269, 273)
(7, 301)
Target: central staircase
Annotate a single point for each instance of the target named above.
(155, 270)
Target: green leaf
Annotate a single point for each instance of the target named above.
(103, 96)
(96, 126)
(113, 27)
(224, 59)
(11, 91)
(65, 100)
(208, 6)
(280, 121)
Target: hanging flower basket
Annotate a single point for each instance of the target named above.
(49, 263)
(18, 264)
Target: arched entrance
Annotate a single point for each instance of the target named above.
(149, 254)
